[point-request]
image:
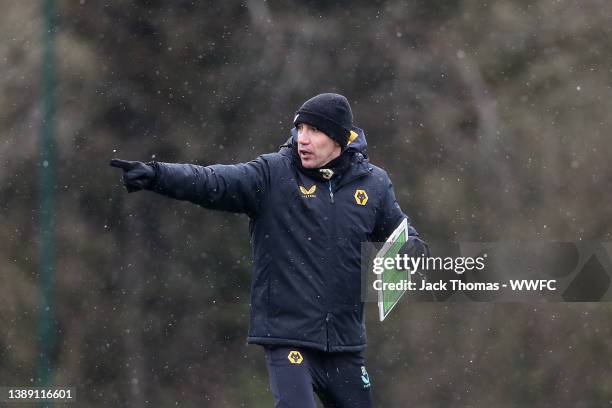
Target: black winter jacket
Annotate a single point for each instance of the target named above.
(306, 237)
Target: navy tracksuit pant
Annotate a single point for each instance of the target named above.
(339, 379)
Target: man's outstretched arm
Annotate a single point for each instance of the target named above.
(236, 188)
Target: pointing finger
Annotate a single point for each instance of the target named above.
(122, 164)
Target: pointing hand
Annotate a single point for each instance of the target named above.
(136, 175)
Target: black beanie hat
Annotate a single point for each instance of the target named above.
(330, 113)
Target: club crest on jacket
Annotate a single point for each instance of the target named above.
(361, 197)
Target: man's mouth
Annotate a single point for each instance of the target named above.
(305, 154)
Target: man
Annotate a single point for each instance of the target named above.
(311, 205)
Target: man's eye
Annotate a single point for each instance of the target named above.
(314, 129)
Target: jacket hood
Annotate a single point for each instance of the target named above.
(357, 141)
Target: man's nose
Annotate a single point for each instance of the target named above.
(304, 138)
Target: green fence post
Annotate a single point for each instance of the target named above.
(46, 321)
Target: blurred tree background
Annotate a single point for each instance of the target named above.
(492, 119)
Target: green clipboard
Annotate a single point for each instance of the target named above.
(387, 299)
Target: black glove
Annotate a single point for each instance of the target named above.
(415, 247)
(136, 175)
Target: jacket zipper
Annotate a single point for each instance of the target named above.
(327, 319)
(328, 315)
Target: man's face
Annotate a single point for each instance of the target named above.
(315, 148)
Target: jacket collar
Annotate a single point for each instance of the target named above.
(351, 164)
